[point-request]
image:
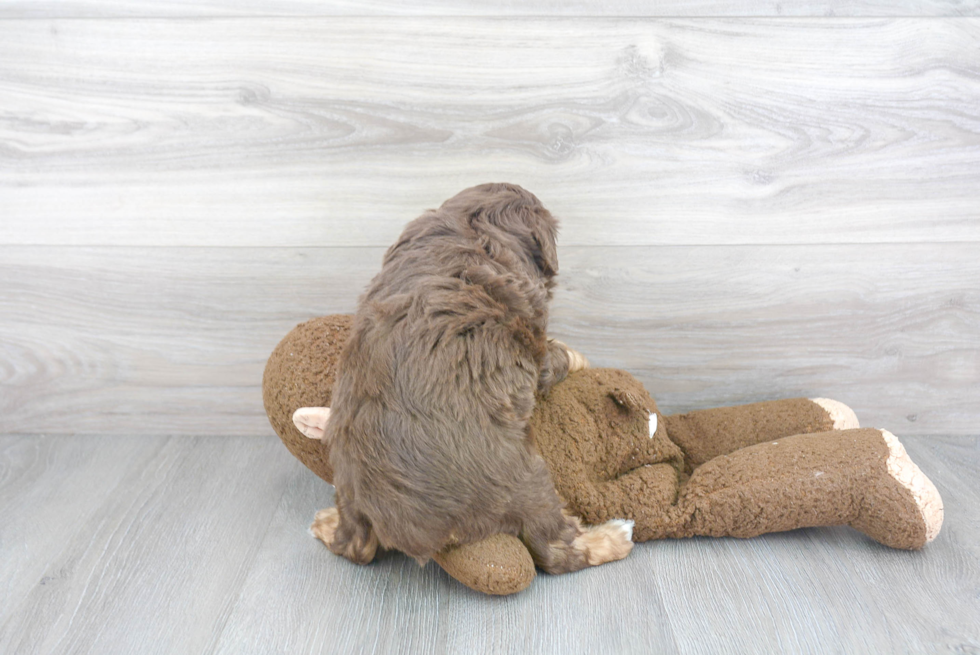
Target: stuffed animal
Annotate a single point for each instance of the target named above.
(736, 471)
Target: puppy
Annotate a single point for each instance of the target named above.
(428, 428)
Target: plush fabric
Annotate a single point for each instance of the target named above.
(733, 471)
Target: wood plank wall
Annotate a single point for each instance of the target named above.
(758, 199)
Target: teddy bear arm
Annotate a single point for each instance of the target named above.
(706, 434)
(859, 477)
(646, 495)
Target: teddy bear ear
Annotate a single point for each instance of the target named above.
(311, 421)
(628, 401)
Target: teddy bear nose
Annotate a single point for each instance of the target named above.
(653, 425)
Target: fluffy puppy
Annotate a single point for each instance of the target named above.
(428, 429)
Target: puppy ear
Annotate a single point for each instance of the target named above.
(544, 232)
(311, 421)
(516, 211)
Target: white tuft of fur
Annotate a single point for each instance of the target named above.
(624, 525)
(927, 498)
(843, 416)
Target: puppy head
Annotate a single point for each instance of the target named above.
(507, 211)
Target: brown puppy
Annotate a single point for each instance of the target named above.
(428, 429)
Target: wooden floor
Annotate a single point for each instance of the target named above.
(199, 545)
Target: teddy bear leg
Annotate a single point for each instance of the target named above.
(877, 520)
(706, 434)
(861, 477)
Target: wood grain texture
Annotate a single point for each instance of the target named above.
(893, 331)
(336, 131)
(164, 341)
(39, 480)
(201, 547)
(174, 340)
(168, 548)
(606, 8)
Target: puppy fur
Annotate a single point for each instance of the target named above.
(428, 430)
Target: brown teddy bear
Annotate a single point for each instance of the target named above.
(737, 471)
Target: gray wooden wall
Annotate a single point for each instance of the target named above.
(759, 199)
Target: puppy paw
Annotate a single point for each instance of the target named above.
(325, 525)
(576, 360)
(611, 541)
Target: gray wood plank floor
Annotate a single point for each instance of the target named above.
(199, 545)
